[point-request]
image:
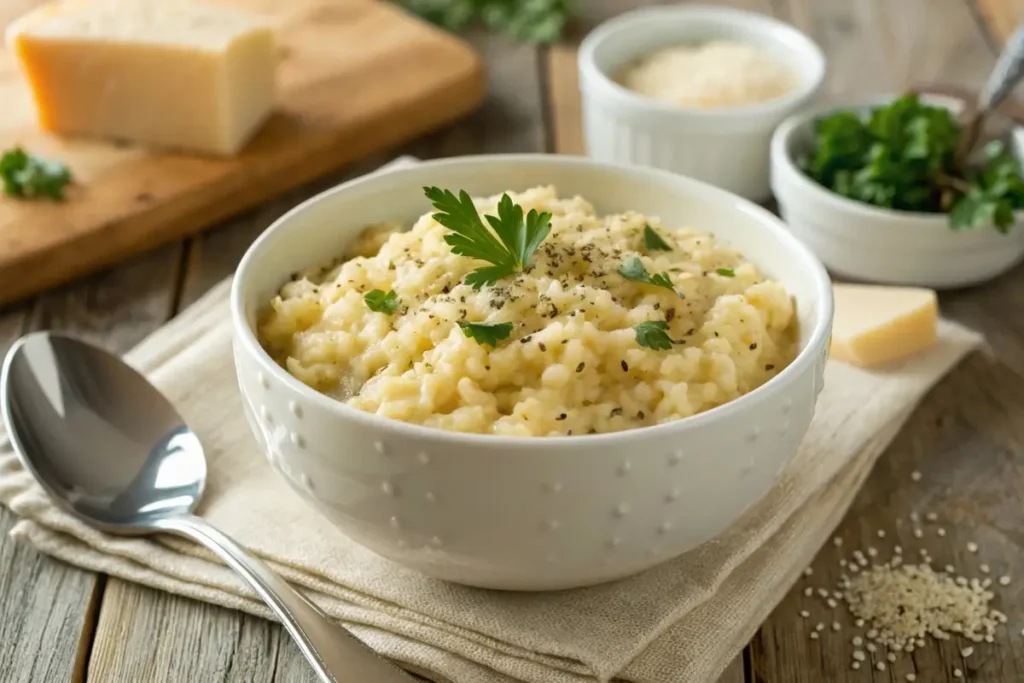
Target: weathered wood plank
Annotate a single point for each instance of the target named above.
(48, 608)
(1000, 16)
(968, 444)
(179, 639)
(961, 438)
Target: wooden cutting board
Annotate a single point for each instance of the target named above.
(355, 77)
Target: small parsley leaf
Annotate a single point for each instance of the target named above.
(486, 334)
(509, 248)
(381, 302)
(653, 241)
(27, 176)
(726, 272)
(653, 334)
(634, 271)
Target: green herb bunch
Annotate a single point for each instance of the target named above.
(27, 176)
(528, 21)
(903, 157)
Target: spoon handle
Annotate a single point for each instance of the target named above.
(1007, 73)
(335, 654)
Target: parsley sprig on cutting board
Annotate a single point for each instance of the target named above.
(902, 157)
(27, 176)
(509, 249)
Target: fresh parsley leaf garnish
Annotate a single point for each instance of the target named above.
(529, 21)
(486, 334)
(903, 156)
(382, 302)
(726, 272)
(27, 176)
(653, 241)
(510, 252)
(634, 271)
(653, 334)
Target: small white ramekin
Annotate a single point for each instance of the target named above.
(726, 147)
(863, 242)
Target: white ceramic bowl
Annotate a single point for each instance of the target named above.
(527, 513)
(864, 242)
(726, 147)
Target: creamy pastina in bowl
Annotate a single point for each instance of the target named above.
(530, 372)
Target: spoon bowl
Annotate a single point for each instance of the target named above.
(116, 465)
(112, 451)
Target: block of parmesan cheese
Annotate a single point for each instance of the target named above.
(874, 325)
(167, 73)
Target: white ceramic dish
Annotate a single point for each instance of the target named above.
(726, 147)
(522, 513)
(863, 242)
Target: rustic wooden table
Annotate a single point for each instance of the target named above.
(60, 624)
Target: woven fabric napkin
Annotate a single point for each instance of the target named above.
(681, 622)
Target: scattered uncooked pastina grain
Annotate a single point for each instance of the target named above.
(932, 517)
(906, 603)
(911, 677)
(915, 475)
(966, 651)
(808, 592)
(1004, 580)
(972, 547)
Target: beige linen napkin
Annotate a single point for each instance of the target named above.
(681, 622)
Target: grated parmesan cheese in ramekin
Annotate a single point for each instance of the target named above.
(716, 74)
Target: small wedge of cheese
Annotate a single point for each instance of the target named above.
(167, 73)
(875, 325)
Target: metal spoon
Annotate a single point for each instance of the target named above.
(112, 451)
(1005, 75)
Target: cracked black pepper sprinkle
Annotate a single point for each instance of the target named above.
(625, 366)
(579, 368)
(561, 417)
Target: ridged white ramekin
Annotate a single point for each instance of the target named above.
(727, 147)
(864, 242)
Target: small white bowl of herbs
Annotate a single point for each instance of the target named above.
(876, 192)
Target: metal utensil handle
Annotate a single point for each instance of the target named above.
(335, 654)
(1007, 72)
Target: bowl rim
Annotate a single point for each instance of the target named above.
(780, 154)
(809, 355)
(796, 42)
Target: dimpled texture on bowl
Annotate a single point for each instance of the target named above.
(727, 147)
(522, 513)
